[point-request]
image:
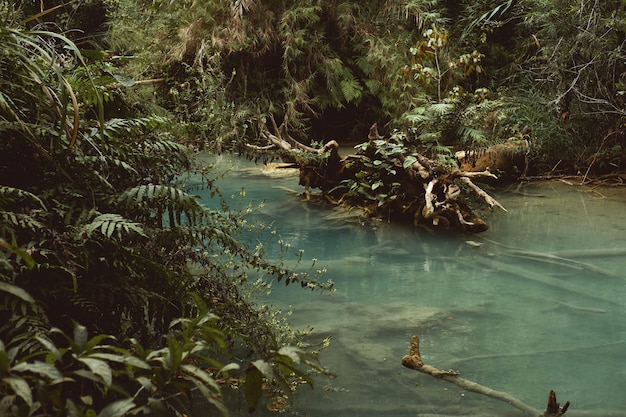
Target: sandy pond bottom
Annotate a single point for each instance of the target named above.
(536, 303)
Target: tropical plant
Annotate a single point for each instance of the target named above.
(99, 235)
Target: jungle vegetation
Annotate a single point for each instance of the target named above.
(120, 293)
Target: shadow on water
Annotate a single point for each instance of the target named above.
(536, 303)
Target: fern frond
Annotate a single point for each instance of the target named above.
(103, 160)
(121, 127)
(351, 89)
(11, 221)
(10, 196)
(164, 146)
(471, 136)
(113, 225)
(441, 109)
(162, 199)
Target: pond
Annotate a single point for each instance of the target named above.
(536, 303)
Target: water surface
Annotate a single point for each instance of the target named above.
(538, 302)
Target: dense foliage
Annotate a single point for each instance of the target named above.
(99, 99)
(452, 74)
(120, 293)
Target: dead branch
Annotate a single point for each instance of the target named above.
(261, 148)
(488, 199)
(414, 361)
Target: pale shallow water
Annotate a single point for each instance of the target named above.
(503, 314)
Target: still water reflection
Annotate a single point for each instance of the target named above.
(536, 303)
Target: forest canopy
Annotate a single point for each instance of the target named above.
(101, 100)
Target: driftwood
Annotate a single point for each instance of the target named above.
(414, 361)
(410, 187)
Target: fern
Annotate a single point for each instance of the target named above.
(441, 109)
(116, 128)
(161, 199)
(11, 221)
(10, 196)
(471, 136)
(164, 146)
(351, 89)
(113, 225)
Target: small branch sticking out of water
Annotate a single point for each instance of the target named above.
(414, 361)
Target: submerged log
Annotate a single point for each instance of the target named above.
(387, 180)
(414, 361)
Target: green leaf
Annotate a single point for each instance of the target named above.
(117, 408)
(94, 341)
(174, 354)
(291, 352)
(202, 375)
(408, 161)
(16, 291)
(125, 359)
(253, 388)
(25, 256)
(80, 337)
(50, 347)
(230, 367)
(265, 368)
(21, 389)
(47, 370)
(99, 368)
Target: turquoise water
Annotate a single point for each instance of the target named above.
(538, 302)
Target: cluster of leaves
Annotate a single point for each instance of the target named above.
(379, 182)
(98, 235)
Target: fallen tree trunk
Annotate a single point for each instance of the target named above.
(414, 361)
(388, 180)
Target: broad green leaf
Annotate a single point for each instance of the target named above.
(44, 369)
(253, 388)
(99, 368)
(16, 291)
(21, 389)
(174, 354)
(125, 359)
(202, 375)
(80, 337)
(292, 352)
(52, 349)
(94, 341)
(265, 368)
(229, 367)
(408, 161)
(212, 397)
(118, 408)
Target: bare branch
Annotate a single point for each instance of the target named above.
(490, 200)
(414, 361)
